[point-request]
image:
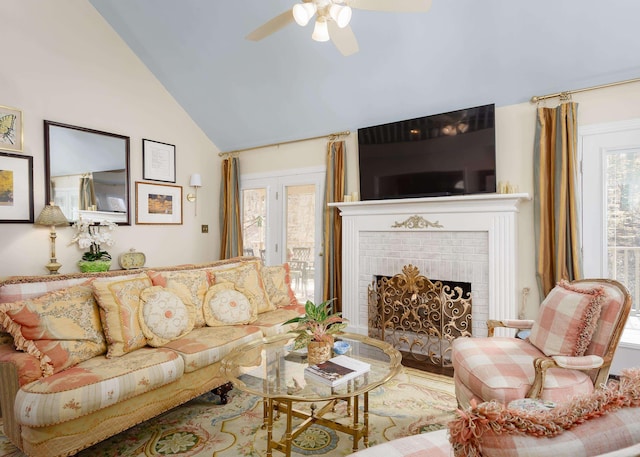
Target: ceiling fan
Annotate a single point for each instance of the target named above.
(332, 19)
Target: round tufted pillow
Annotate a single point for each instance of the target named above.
(224, 304)
(164, 315)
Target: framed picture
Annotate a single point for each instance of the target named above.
(158, 161)
(10, 129)
(16, 188)
(158, 203)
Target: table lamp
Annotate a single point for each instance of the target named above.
(52, 215)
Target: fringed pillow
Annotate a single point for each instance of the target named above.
(165, 315)
(277, 283)
(225, 304)
(247, 277)
(193, 283)
(119, 300)
(60, 328)
(567, 320)
(490, 428)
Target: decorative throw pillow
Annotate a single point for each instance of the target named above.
(277, 283)
(164, 315)
(566, 321)
(60, 328)
(194, 283)
(247, 277)
(224, 304)
(119, 301)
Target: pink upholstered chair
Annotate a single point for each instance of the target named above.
(568, 352)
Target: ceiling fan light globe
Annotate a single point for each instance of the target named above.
(340, 14)
(320, 31)
(303, 12)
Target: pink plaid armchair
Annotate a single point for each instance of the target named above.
(568, 352)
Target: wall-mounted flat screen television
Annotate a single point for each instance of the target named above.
(445, 154)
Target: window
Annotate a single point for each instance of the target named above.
(610, 157)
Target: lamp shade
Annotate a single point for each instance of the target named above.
(196, 180)
(320, 31)
(340, 14)
(303, 12)
(51, 215)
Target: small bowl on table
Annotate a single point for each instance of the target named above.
(341, 347)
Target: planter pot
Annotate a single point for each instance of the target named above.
(92, 266)
(318, 352)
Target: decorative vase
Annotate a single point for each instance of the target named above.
(318, 352)
(93, 266)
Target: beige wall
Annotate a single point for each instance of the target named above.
(64, 63)
(515, 129)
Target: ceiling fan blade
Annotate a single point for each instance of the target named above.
(402, 6)
(271, 26)
(344, 39)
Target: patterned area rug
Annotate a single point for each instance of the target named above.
(413, 402)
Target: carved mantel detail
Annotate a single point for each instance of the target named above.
(417, 222)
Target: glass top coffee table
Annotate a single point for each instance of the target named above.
(271, 369)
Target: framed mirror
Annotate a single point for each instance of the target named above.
(87, 173)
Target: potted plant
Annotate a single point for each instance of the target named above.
(316, 330)
(90, 235)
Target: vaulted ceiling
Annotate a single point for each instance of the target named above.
(461, 53)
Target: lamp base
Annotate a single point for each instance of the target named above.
(53, 267)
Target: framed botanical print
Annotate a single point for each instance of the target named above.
(10, 129)
(158, 203)
(16, 188)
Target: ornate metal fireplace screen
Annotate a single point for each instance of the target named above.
(418, 317)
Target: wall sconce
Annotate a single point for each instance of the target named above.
(51, 216)
(195, 182)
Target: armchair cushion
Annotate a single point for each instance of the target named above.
(567, 318)
(501, 368)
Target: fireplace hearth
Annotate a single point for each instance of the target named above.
(419, 317)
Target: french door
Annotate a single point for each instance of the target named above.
(282, 222)
(610, 156)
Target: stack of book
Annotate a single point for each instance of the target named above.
(337, 370)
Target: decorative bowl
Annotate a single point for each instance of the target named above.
(341, 347)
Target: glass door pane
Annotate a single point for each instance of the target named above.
(254, 221)
(300, 208)
(623, 220)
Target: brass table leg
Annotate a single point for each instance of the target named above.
(356, 437)
(288, 438)
(366, 419)
(269, 426)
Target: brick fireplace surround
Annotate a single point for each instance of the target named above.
(467, 238)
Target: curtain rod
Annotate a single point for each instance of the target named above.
(566, 94)
(331, 136)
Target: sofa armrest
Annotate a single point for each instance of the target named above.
(520, 324)
(9, 386)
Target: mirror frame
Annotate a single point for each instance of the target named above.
(47, 162)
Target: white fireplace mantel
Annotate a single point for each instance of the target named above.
(495, 214)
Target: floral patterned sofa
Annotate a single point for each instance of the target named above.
(84, 356)
(603, 423)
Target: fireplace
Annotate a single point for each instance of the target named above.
(420, 317)
(463, 238)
